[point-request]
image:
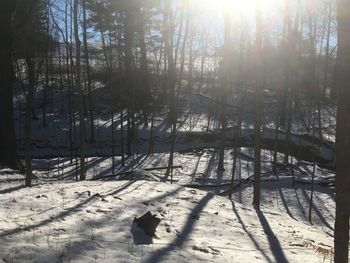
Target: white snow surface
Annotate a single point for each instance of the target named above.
(92, 221)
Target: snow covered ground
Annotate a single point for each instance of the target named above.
(60, 220)
(92, 221)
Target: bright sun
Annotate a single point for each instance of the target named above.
(244, 7)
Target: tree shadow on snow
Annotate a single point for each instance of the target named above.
(256, 244)
(275, 245)
(158, 256)
(295, 203)
(12, 189)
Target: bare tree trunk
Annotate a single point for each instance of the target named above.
(225, 79)
(70, 84)
(45, 87)
(184, 43)
(342, 180)
(151, 136)
(87, 63)
(285, 34)
(61, 77)
(113, 144)
(122, 136)
(28, 120)
(221, 167)
(237, 139)
(104, 48)
(8, 152)
(81, 95)
(129, 72)
(171, 86)
(258, 109)
(203, 59)
(179, 33)
(326, 68)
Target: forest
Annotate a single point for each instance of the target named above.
(174, 130)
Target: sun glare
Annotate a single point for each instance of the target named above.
(243, 7)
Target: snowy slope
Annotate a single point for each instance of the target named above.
(92, 222)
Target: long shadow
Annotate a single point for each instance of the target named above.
(318, 212)
(158, 160)
(8, 180)
(137, 165)
(89, 165)
(77, 248)
(299, 203)
(158, 197)
(219, 177)
(196, 167)
(157, 256)
(120, 189)
(325, 207)
(49, 220)
(126, 186)
(288, 185)
(275, 245)
(13, 189)
(142, 158)
(65, 213)
(285, 203)
(105, 172)
(256, 244)
(210, 166)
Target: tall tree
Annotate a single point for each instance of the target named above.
(31, 43)
(28, 118)
(258, 108)
(342, 181)
(7, 128)
(171, 78)
(88, 74)
(81, 95)
(224, 91)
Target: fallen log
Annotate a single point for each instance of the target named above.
(226, 192)
(301, 146)
(248, 179)
(199, 186)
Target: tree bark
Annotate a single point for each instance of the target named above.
(8, 153)
(87, 64)
(28, 120)
(258, 109)
(342, 179)
(171, 86)
(81, 95)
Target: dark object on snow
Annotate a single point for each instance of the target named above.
(148, 223)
